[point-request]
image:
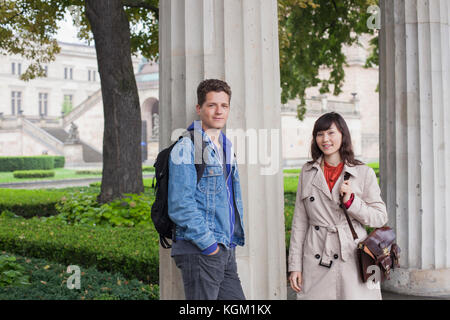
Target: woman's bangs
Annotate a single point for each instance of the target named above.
(324, 123)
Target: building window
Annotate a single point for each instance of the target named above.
(68, 73)
(91, 75)
(46, 71)
(13, 68)
(67, 104)
(16, 102)
(43, 103)
(19, 69)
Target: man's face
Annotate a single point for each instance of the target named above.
(214, 111)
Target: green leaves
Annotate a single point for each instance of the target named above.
(134, 252)
(12, 273)
(28, 28)
(83, 208)
(312, 35)
(48, 281)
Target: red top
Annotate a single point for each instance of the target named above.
(331, 175)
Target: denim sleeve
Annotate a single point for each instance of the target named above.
(182, 206)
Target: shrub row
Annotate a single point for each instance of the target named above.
(134, 252)
(83, 209)
(147, 183)
(48, 281)
(30, 203)
(33, 173)
(93, 172)
(9, 164)
(148, 168)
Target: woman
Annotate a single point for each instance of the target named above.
(322, 254)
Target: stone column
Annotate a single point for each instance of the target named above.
(414, 147)
(236, 41)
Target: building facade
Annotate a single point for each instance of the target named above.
(37, 116)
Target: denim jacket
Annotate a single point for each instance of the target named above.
(201, 212)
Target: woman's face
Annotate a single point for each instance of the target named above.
(329, 141)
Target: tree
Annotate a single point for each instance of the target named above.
(312, 34)
(28, 27)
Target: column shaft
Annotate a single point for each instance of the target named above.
(236, 41)
(414, 154)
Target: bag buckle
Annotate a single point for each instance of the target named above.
(325, 265)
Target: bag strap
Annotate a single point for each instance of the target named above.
(355, 236)
(199, 167)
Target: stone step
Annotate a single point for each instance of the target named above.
(89, 154)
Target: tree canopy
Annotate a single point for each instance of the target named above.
(311, 32)
(28, 28)
(312, 35)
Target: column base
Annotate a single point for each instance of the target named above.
(434, 282)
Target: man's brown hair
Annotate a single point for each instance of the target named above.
(209, 85)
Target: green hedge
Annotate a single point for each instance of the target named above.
(134, 252)
(9, 164)
(48, 281)
(33, 173)
(60, 161)
(94, 172)
(30, 203)
(148, 169)
(147, 183)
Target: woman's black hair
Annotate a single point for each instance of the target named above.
(346, 150)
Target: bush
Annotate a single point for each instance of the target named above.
(134, 252)
(147, 183)
(48, 281)
(148, 169)
(83, 208)
(59, 162)
(30, 203)
(9, 164)
(33, 174)
(79, 208)
(95, 172)
(12, 273)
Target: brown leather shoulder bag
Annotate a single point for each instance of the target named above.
(378, 249)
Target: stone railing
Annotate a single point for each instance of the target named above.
(40, 134)
(9, 122)
(44, 121)
(320, 105)
(82, 108)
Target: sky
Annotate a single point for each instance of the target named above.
(67, 31)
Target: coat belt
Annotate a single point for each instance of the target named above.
(345, 241)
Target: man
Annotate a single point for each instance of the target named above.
(208, 215)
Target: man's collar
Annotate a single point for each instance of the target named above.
(197, 125)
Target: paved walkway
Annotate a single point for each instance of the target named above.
(386, 296)
(41, 184)
(86, 181)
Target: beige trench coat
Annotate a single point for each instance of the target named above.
(320, 233)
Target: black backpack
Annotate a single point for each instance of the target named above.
(160, 216)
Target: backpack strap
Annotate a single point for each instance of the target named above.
(198, 152)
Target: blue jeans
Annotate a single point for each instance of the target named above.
(210, 277)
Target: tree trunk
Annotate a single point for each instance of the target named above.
(122, 160)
